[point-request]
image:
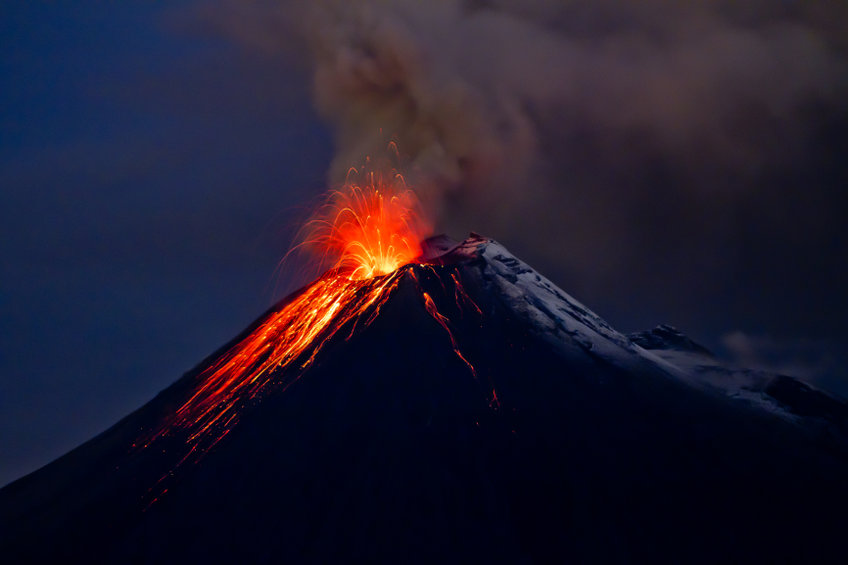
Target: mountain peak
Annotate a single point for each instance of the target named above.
(665, 337)
(462, 409)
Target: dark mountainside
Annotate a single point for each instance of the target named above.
(389, 450)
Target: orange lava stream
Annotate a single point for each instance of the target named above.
(443, 321)
(291, 337)
(366, 233)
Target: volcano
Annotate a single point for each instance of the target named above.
(460, 409)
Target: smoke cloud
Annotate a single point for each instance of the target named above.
(500, 101)
(605, 139)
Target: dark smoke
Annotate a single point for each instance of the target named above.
(690, 151)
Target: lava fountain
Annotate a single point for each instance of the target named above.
(369, 229)
(367, 235)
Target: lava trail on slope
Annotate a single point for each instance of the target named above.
(371, 233)
(435, 402)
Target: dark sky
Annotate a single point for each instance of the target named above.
(149, 181)
(153, 169)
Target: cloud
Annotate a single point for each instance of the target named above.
(477, 93)
(510, 101)
(669, 147)
(817, 361)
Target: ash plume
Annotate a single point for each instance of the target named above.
(585, 133)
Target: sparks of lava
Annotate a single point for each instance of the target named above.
(367, 232)
(371, 227)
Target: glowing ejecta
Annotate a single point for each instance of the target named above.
(367, 234)
(369, 229)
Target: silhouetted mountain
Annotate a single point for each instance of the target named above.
(567, 442)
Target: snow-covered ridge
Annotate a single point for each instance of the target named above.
(570, 326)
(559, 318)
(783, 395)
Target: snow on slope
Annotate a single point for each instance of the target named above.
(568, 324)
(706, 371)
(549, 308)
(560, 319)
(782, 395)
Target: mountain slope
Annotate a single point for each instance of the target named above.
(567, 442)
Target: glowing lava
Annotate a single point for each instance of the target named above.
(291, 337)
(368, 234)
(370, 229)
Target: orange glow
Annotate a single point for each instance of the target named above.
(443, 321)
(291, 337)
(367, 233)
(369, 228)
(364, 233)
